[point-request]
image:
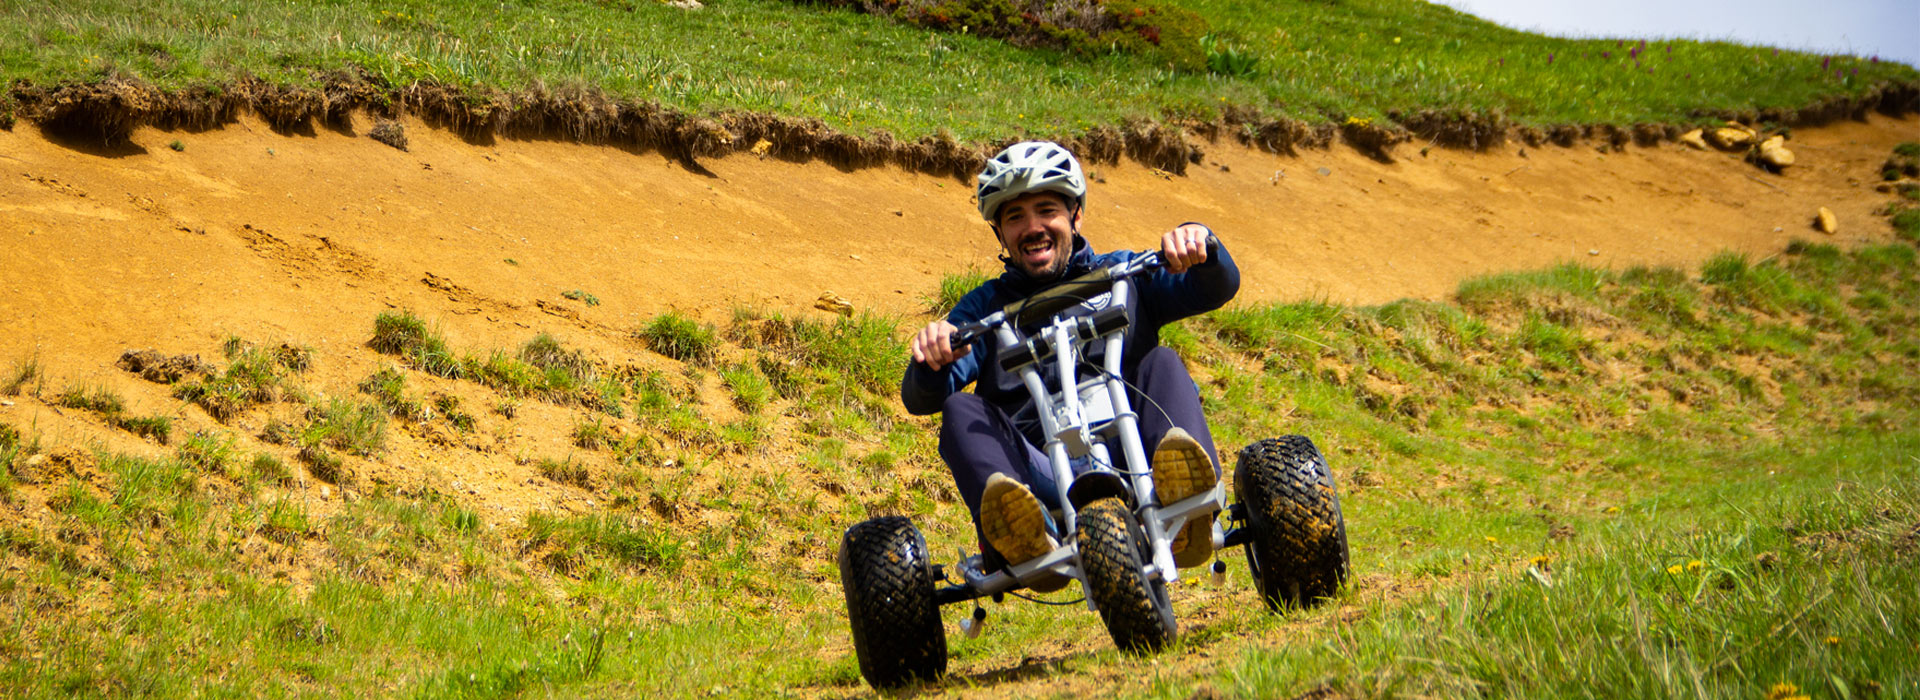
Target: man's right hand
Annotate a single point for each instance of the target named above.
(933, 345)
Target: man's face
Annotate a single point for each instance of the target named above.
(1036, 230)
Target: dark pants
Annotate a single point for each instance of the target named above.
(978, 439)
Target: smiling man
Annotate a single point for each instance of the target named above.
(1034, 197)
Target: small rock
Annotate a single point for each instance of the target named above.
(1884, 188)
(761, 147)
(829, 301)
(1324, 171)
(1826, 222)
(685, 4)
(1593, 251)
(1773, 152)
(1729, 138)
(1694, 139)
(34, 470)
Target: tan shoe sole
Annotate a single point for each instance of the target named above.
(1012, 520)
(1181, 468)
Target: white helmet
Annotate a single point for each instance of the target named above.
(1030, 166)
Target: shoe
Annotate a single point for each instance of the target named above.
(1182, 468)
(1013, 520)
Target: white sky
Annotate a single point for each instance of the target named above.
(1888, 28)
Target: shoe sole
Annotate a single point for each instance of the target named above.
(1011, 519)
(1181, 468)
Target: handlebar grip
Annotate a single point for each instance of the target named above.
(965, 334)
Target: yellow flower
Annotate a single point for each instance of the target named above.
(1540, 562)
(1694, 565)
(1833, 641)
(1611, 510)
(1782, 691)
(1396, 40)
(1490, 538)
(1675, 569)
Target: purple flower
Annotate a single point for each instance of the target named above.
(1669, 49)
(1549, 58)
(1606, 54)
(1826, 63)
(1503, 61)
(1776, 53)
(1876, 58)
(1617, 43)
(1635, 53)
(1689, 76)
(1855, 71)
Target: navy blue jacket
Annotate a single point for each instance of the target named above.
(1159, 298)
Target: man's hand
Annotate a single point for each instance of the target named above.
(933, 345)
(1184, 247)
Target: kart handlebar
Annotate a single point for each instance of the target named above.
(1064, 295)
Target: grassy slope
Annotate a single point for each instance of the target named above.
(1318, 62)
(1618, 424)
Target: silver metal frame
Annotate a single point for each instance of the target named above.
(1072, 435)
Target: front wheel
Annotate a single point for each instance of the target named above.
(888, 579)
(1298, 554)
(1136, 609)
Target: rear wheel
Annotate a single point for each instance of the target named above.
(888, 579)
(1136, 610)
(1298, 554)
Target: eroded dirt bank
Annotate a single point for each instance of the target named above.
(245, 230)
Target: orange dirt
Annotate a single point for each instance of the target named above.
(305, 238)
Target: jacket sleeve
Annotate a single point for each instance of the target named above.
(1210, 285)
(924, 390)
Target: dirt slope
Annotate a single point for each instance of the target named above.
(247, 230)
(306, 237)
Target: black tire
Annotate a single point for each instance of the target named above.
(1298, 554)
(1137, 612)
(888, 579)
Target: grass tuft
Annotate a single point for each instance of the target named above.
(23, 372)
(952, 288)
(421, 348)
(626, 541)
(565, 472)
(682, 338)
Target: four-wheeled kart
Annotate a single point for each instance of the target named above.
(1116, 534)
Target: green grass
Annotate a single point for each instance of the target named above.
(1684, 594)
(680, 337)
(952, 288)
(23, 372)
(1605, 429)
(1315, 61)
(751, 390)
(566, 471)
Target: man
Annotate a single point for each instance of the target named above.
(1033, 195)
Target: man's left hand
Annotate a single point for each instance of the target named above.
(1184, 247)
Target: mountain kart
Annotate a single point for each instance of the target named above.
(1116, 536)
